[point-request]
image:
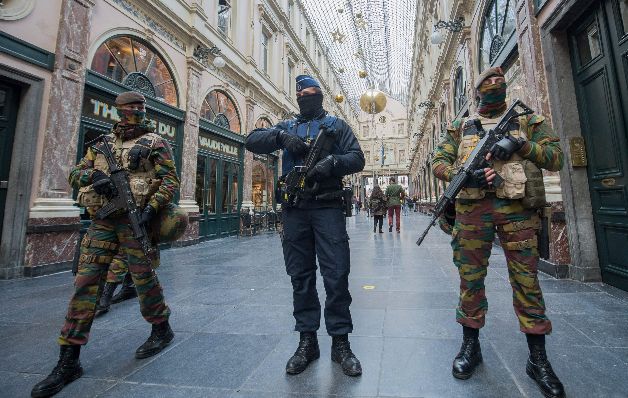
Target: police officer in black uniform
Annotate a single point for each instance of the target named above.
(316, 228)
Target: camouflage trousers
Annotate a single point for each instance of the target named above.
(106, 239)
(119, 267)
(477, 221)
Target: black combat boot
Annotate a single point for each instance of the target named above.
(470, 355)
(540, 370)
(306, 352)
(105, 298)
(390, 228)
(341, 353)
(126, 292)
(160, 338)
(67, 370)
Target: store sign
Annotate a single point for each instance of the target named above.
(213, 144)
(96, 108)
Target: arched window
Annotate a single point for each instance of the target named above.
(497, 28)
(460, 98)
(137, 65)
(263, 123)
(221, 110)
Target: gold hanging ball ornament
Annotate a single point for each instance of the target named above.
(362, 73)
(339, 98)
(373, 101)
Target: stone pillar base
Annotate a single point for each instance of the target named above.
(54, 208)
(50, 244)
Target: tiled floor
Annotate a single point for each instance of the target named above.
(232, 314)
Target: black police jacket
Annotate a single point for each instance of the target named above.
(347, 151)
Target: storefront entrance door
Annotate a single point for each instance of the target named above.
(9, 100)
(217, 195)
(599, 49)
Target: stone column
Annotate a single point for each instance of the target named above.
(190, 136)
(247, 188)
(54, 197)
(536, 96)
(187, 199)
(52, 228)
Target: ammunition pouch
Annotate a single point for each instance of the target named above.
(535, 188)
(87, 197)
(514, 176)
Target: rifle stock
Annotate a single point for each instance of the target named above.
(476, 159)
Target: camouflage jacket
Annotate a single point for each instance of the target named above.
(162, 158)
(542, 148)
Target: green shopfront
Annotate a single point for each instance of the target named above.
(219, 167)
(218, 181)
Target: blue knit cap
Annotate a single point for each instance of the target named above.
(305, 81)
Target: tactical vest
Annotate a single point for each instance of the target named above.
(522, 178)
(143, 180)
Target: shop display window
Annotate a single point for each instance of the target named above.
(219, 109)
(137, 65)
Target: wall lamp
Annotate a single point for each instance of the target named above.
(202, 53)
(426, 104)
(455, 26)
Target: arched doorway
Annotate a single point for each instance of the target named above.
(260, 187)
(219, 166)
(264, 175)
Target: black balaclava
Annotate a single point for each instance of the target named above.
(310, 106)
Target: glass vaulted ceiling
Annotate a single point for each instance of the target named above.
(372, 35)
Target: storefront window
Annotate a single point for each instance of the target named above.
(234, 187)
(200, 184)
(211, 191)
(221, 110)
(225, 188)
(138, 66)
(498, 26)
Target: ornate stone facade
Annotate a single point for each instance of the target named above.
(173, 30)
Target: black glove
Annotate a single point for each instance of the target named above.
(147, 215)
(477, 180)
(102, 184)
(137, 153)
(322, 169)
(292, 143)
(505, 147)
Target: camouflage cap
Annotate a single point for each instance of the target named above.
(495, 71)
(129, 97)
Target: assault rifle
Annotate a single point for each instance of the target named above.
(295, 187)
(476, 160)
(123, 199)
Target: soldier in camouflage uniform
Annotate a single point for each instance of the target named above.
(483, 209)
(153, 179)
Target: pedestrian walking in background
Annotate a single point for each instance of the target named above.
(405, 206)
(395, 195)
(377, 205)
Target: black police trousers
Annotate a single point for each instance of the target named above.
(322, 233)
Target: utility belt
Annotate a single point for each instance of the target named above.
(327, 196)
